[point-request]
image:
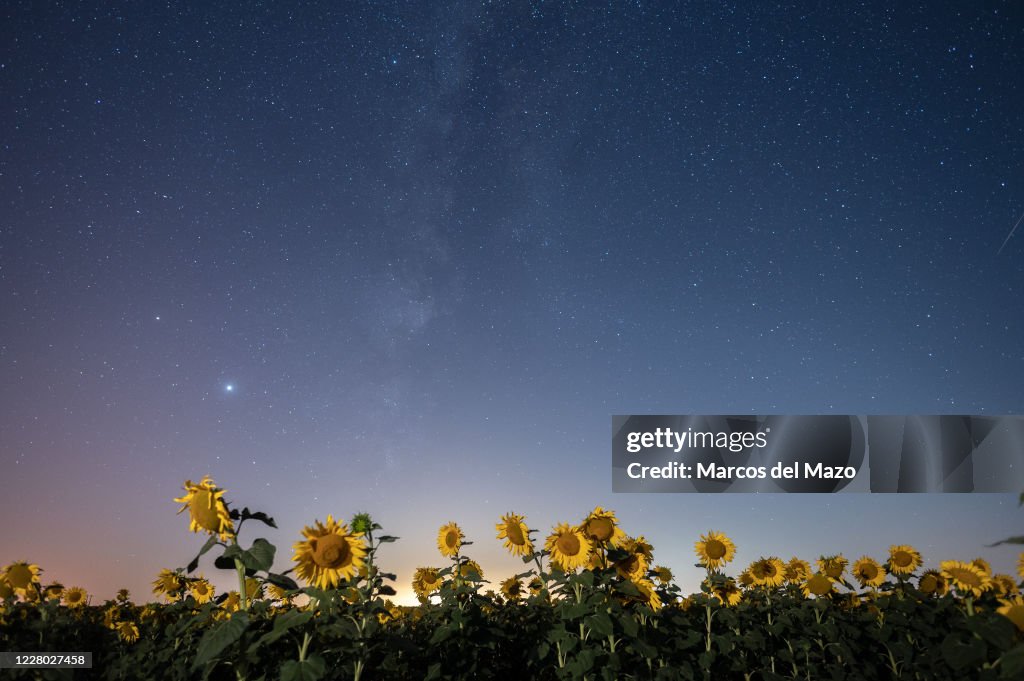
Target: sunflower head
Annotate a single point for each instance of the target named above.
(128, 631)
(123, 596)
(868, 572)
(797, 571)
(648, 594)
(1003, 585)
(932, 583)
(768, 572)
(207, 510)
(512, 589)
(471, 570)
(362, 523)
(602, 527)
(168, 583)
(967, 578)
(833, 567)
(663, 574)
(5, 590)
(714, 550)
(568, 546)
(449, 540)
(75, 597)
(1013, 610)
(201, 590)
(515, 533)
(536, 586)
(903, 559)
(425, 581)
(727, 591)
(329, 554)
(53, 592)
(817, 585)
(22, 576)
(635, 556)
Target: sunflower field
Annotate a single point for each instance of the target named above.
(589, 604)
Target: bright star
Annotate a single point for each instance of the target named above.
(230, 388)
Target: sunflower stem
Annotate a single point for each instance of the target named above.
(240, 568)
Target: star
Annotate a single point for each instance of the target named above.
(230, 387)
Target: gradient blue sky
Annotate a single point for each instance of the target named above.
(433, 247)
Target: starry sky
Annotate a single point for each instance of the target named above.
(408, 258)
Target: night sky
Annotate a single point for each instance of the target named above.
(409, 258)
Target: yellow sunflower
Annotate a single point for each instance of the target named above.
(233, 603)
(111, 616)
(128, 632)
(253, 589)
(425, 581)
(569, 547)
(53, 592)
(535, 586)
(868, 572)
(1003, 585)
(983, 565)
(768, 572)
(75, 597)
(329, 554)
(817, 585)
(512, 589)
(638, 555)
(663, 574)
(967, 578)
(449, 540)
(515, 533)
(602, 527)
(714, 550)
(833, 567)
(21, 576)
(278, 593)
(123, 596)
(648, 594)
(206, 508)
(903, 559)
(797, 571)
(471, 570)
(168, 583)
(728, 592)
(1013, 610)
(932, 582)
(5, 589)
(745, 579)
(201, 590)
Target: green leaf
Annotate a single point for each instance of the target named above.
(387, 539)
(282, 624)
(310, 669)
(210, 543)
(282, 581)
(442, 633)
(1012, 663)
(386, 590)
(218, 638)
(260, 556)
(960, 656)
(629, 625)
(260, 516)
(600, 624)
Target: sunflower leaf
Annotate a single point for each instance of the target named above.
(289, 620)
(260, 556)
(386, 590)
(282, 581)
(218, 638)
(386, 539)
(310, 669)
(388, 575)
(210, 543)
(260, 516)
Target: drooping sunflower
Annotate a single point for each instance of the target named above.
(967, 578)
(602, 527)
(745, 579)
(233, 602)
(932, 583)
(1013, 610)
(206, 507)
(833, 567)
(768, 572)
(903, 559)
(1003, 585)
(982, 565)
(75, 597)
(535, 586)
(797, 571)
(21, 576)
(471, 570)
(728, 592)
(123, 596)
(634, 564)
(128, 631)
(253, 589)
(663, 574)
(449, 540)
(168, 583)
(512, 589)
(714, 550)
(648, 594)
(515, 533)
(111, 616)
(329, 554)
(817, 585)
(53, 592)
(569, 547)
(201, 590)
(868, 572)
(425, 581)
